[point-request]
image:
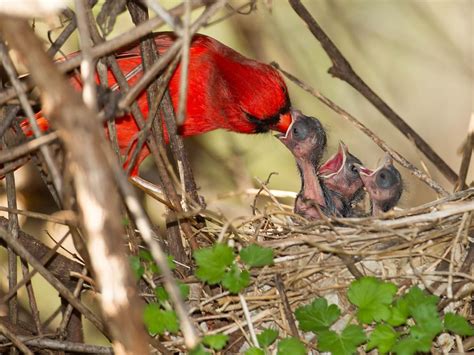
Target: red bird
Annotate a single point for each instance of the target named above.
(225, 90)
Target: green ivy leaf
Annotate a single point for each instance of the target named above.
(317, 316)
(137, 267)
(458, 325)
(291, 346)
(346, 343)
(383, 337)
(199, 350)
(373, 298)
(428, 323)
(145, 255)
(212, 262)
(410, 346)
(399, 313)
(255, 351)
(215, 341)
(159, 321)
(235, 280)
(256, 256)
(267, 337)
(162, 295)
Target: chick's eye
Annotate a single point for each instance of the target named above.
(385, 179)
(353, 168)
(300, 131)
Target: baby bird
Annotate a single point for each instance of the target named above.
(306, 140)
(340, 176)
(384, 186)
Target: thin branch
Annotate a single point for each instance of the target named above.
(466, 156)
(342, 69)
(48, 156)
(280, 286)
(62, 345)
(13, 153)
(63, 290)
(14, 339)
(377, 140)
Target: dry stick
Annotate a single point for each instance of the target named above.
(69, 309)
(8, 119)
(466, 156)
(183, 79)
(48, 156)
(63, 290)
(248, 318)
(26, 278)
(61, 345)
(154, 95)
(286, 305)
(89, 92)
(64, 36)
(13, 229)
(106, 47)
(342, 69)
(26, 148)
(97, 199)
(14, 339)
(377, 140)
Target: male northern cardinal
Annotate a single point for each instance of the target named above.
(306, 139)
(341, 177)
(225, 90)
(384, 186)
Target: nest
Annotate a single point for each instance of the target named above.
(429, 246)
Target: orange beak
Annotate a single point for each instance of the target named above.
(284, 123)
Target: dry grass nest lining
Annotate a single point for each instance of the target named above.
(426, 246)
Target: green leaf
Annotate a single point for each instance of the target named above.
(267, 337)
(291, 346)
(255, 351)
(410, 346)
(256, 256)
(212, 262)
(346, 343)
(137, 267)
(145, 255)
(199, 350)
(317, 316)
(428, 323)
(373, 298)
(235, 280)
(216, 341)
(383, 337)
(456, 324)
(399, 313)
(162, 295)
(159, 321)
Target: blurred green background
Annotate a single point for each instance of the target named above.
(416, 54)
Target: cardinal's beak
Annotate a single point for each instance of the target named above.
(286, 120)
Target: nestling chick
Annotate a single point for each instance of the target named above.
(340, 176)
(306, 139)
(384, 186)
